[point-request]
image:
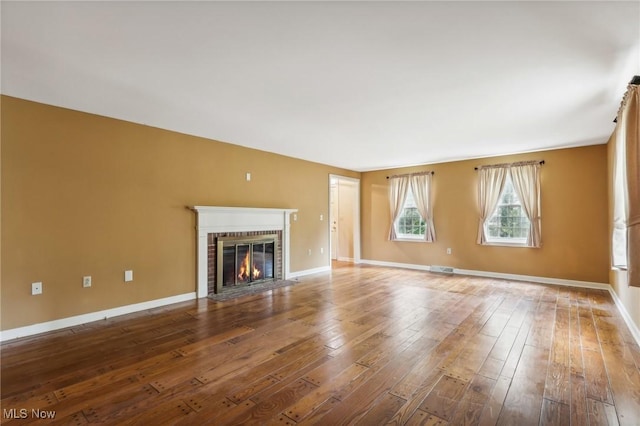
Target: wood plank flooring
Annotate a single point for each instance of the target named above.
(361, 345)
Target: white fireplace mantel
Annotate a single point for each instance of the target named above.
(213, 219)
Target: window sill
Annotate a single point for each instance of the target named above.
(506, 244)
(411, 240)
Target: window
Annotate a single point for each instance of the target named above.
(509, 204)
(410, 224)
(509, 222)
(410, 208)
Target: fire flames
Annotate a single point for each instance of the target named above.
(245, 270)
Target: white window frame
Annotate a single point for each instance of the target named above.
(409, 203)
(507, 241)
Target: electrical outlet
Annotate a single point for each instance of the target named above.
(321, 250)
(321, 217)
(36, 288)
(309, 252)
(86, 281)
(295, 217)
(448, 250)
(248, 176)
(128, 276)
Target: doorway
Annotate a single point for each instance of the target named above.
(344, 218)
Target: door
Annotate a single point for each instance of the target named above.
(344, 218)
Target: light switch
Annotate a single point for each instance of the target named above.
(128, 276)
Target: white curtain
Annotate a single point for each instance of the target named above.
(397, 195)
(629, 121)
(490, 185)
(526, 183)
(619, 190)
(421, 189)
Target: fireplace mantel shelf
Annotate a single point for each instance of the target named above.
(256, 210)
(212, 219)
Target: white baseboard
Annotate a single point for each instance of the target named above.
(533, 279)
(625, 316)
(43, 327)
(530, 278)
(123, 310)
(309, 272)
(395, 264)
(486, 274)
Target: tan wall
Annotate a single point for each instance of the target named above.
(574, 219)
(629, 296)
(89, 195)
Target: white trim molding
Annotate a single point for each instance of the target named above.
(633, 328)
(355, 182)
(395, 264)
(305, 272)
(486, 274)
(212, 219)
(534, 279)
(43, 327)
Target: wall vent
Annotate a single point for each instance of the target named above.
(441, 269)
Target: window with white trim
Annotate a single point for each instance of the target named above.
(410, 224)
(509, 222)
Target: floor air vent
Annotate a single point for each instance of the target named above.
(441, 269)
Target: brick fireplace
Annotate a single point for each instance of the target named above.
(241, 227)
(243, 258)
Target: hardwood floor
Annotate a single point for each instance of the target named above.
(362, 345)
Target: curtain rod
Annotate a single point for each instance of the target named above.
(636, 82)
(541, 162)
(411, 174)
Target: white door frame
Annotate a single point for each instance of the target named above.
(356, 216)
(334, 214)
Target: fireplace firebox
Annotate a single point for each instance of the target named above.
(243, 261)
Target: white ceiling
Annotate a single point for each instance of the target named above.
(359, 85)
